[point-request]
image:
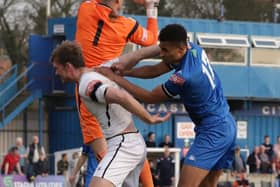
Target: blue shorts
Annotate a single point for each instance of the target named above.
(91, 167)
(213, 147)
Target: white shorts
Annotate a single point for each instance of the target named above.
(123, 160)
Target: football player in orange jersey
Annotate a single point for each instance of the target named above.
(103, 34)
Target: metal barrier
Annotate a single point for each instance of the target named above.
(10, 97)
(5, 81)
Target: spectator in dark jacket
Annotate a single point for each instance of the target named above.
(166, 142)
(151, 140)
(42, 166)
(239, 165)
(165, 167)
(254, 161)
(62, 165)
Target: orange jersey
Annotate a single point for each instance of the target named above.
(103, 38)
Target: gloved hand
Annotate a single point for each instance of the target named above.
(151, 8)
(149, 4)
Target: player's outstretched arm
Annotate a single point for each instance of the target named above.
(129, 60)
(149, 35)
(116, 95)
(155, 96)
(148, 71)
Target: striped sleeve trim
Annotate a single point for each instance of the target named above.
(166, 91)
(132, 31)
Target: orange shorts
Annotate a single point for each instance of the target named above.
(91, 129)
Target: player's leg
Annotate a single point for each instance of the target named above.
(99, 147)
(211, 180)
(98, 181)
(146, 175)
(132, 179)
(226, 159)
(191, 176)
(124, 153)
(209, 152)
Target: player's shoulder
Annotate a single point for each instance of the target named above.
(92, 75)
(86, 4)
(127, 20)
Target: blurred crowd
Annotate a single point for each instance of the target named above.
(30, 161)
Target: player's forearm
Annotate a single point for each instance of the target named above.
(152, 26)
(129, 60)
(138, 92)
(146, 72)
(129, 103)
(141, 72)
(79, 164)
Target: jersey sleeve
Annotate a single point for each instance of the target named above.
(144, 36)
(94, 89)
(173, 86)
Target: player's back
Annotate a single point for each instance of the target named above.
(101, 37)
(202, 91)
(113, 118)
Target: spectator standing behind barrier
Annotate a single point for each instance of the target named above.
(11, 163)
(166, 142)
(151, 140)
(154, 173)
(165, 168)
(265, 166)
(276, 168)
(62, 165)
(33, 154)
(254, 161)
(276, 147)
(21, 152)
(42, 166)
(239, 169)
(268, 147)
(73, 162)
(239, 165)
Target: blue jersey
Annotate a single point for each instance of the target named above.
(92, 163)
(198, 86)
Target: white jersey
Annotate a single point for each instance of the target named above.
(113, 118)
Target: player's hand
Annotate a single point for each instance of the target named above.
(147, 3)
(118, 68)
(159, 119)
(107, 72)
(72, 179)
(150, 4)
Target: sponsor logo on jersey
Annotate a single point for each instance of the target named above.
(90, 86)
(192, 157)
(177, 79)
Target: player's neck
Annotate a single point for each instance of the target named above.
(79, 72)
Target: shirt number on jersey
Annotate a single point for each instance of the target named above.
(98, 32)
(207, 69)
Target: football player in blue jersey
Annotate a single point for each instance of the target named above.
(199, 88)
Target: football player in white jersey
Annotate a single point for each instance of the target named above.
(113, 107)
